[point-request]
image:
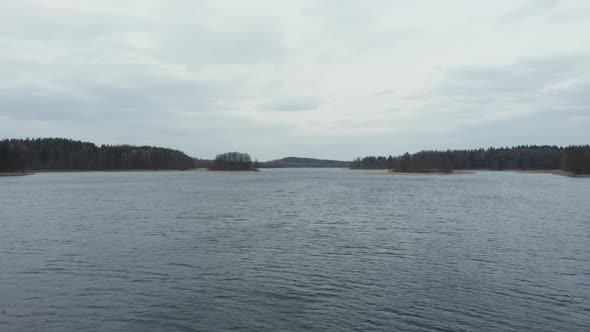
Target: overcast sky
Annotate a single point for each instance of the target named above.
(331, 79)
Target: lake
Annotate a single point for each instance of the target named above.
(294, 250)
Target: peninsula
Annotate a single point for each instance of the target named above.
(572, 160)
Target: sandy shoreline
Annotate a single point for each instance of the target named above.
(15, 173)
(104, 170)
(366, 171)
(538, 171)
(461, 172)
(385, 172)
(553, 172)
(31, 172)
(123, 170)
(222, 171)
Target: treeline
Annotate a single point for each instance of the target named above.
(67, 154)
(575, 159)
(304, 162)
(233, 161)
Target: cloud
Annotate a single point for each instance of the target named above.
(530, 9)
(330, 79)
(525, 77)
(295, 104)
(385, 92)
(532, 100)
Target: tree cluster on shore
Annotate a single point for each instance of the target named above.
(574, 159)
(67, 154)
(292, 162)
(233, 161)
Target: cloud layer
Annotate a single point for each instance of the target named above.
(330, 79)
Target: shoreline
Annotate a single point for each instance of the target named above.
(385, 172)
(206, 170)
(366, 171)
(552, 172)
(559, 172)
(16, 173)
(104, 170)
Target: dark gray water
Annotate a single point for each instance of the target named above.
(294, 250)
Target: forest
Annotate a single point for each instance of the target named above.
(292, 162)
(55, 154)
(66, 154)
(233, 161)
(574, 159)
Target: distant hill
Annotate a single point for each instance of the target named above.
(304, 162)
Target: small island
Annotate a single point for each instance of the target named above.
(233, 161)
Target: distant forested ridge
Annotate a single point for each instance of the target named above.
(233, 161)
(575, 159)
(67, 154)
(303, 162)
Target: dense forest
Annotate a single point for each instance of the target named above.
(233, 161)
(67, 154)
(303, 162)
(575, 159)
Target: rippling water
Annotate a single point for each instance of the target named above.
(294, 250)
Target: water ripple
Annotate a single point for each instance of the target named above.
(294, 250)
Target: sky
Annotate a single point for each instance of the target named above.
(333, 79)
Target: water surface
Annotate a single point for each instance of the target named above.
(294, 250)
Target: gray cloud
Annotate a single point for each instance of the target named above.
(531, 80)
(540, 100)
(572, 15)
(385, 92)
(530, 9)
(525, 78)
(295, 104)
